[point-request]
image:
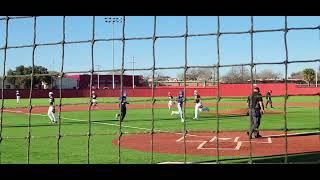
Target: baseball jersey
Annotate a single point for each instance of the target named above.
(180, 100)
(94, 96)
(170, 98)
(254, 99)
(51, 101)
(197, 98)
(17, 94)
(123, 101)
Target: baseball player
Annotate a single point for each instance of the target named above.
(51, 110)
(122, 105)
(268, 97)
(198, 104)
(18, 96)
(170, 103)
(256, 111)
(180, 100)
(94, 99)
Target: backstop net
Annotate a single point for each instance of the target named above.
(151, 132)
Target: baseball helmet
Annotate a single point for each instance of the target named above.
(181, 92)
(257, 88)
(50, 93)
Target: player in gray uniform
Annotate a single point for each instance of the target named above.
(180, 101)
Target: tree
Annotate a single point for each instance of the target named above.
(309, 75)
(237, 75)
(268, 74)
(297, 75)
(158, 76)
(25, 81)
(197, 74)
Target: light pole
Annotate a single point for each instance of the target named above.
(255, 74)
(52, 69)
(98, 68)
(133, 71)
(113, 20)
(317, 69)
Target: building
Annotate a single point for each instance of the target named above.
(105, 81)
(7, 85)
(67, 83)
(265, 81)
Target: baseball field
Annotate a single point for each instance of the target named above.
(167, 144)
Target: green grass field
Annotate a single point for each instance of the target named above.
(75, 126)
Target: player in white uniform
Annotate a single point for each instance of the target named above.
(198, 104)
(198, 107)
(18, 96)
(51, 110)
(94, 98)
(170, 103)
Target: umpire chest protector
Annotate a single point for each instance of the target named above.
(254, 99)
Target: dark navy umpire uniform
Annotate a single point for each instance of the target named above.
(255, 114)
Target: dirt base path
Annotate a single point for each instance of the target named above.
(230, 143)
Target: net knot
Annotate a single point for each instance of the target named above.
(59, 136)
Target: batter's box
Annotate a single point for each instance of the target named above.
(224, 144)
(193, 138)
(257, 140)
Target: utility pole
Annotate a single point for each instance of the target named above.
(133, 62)
(98, 73)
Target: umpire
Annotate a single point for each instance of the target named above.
(256, 109)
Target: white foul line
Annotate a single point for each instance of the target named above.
(110, 124)
(236, 139)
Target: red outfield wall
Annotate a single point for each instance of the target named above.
(225, 90)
